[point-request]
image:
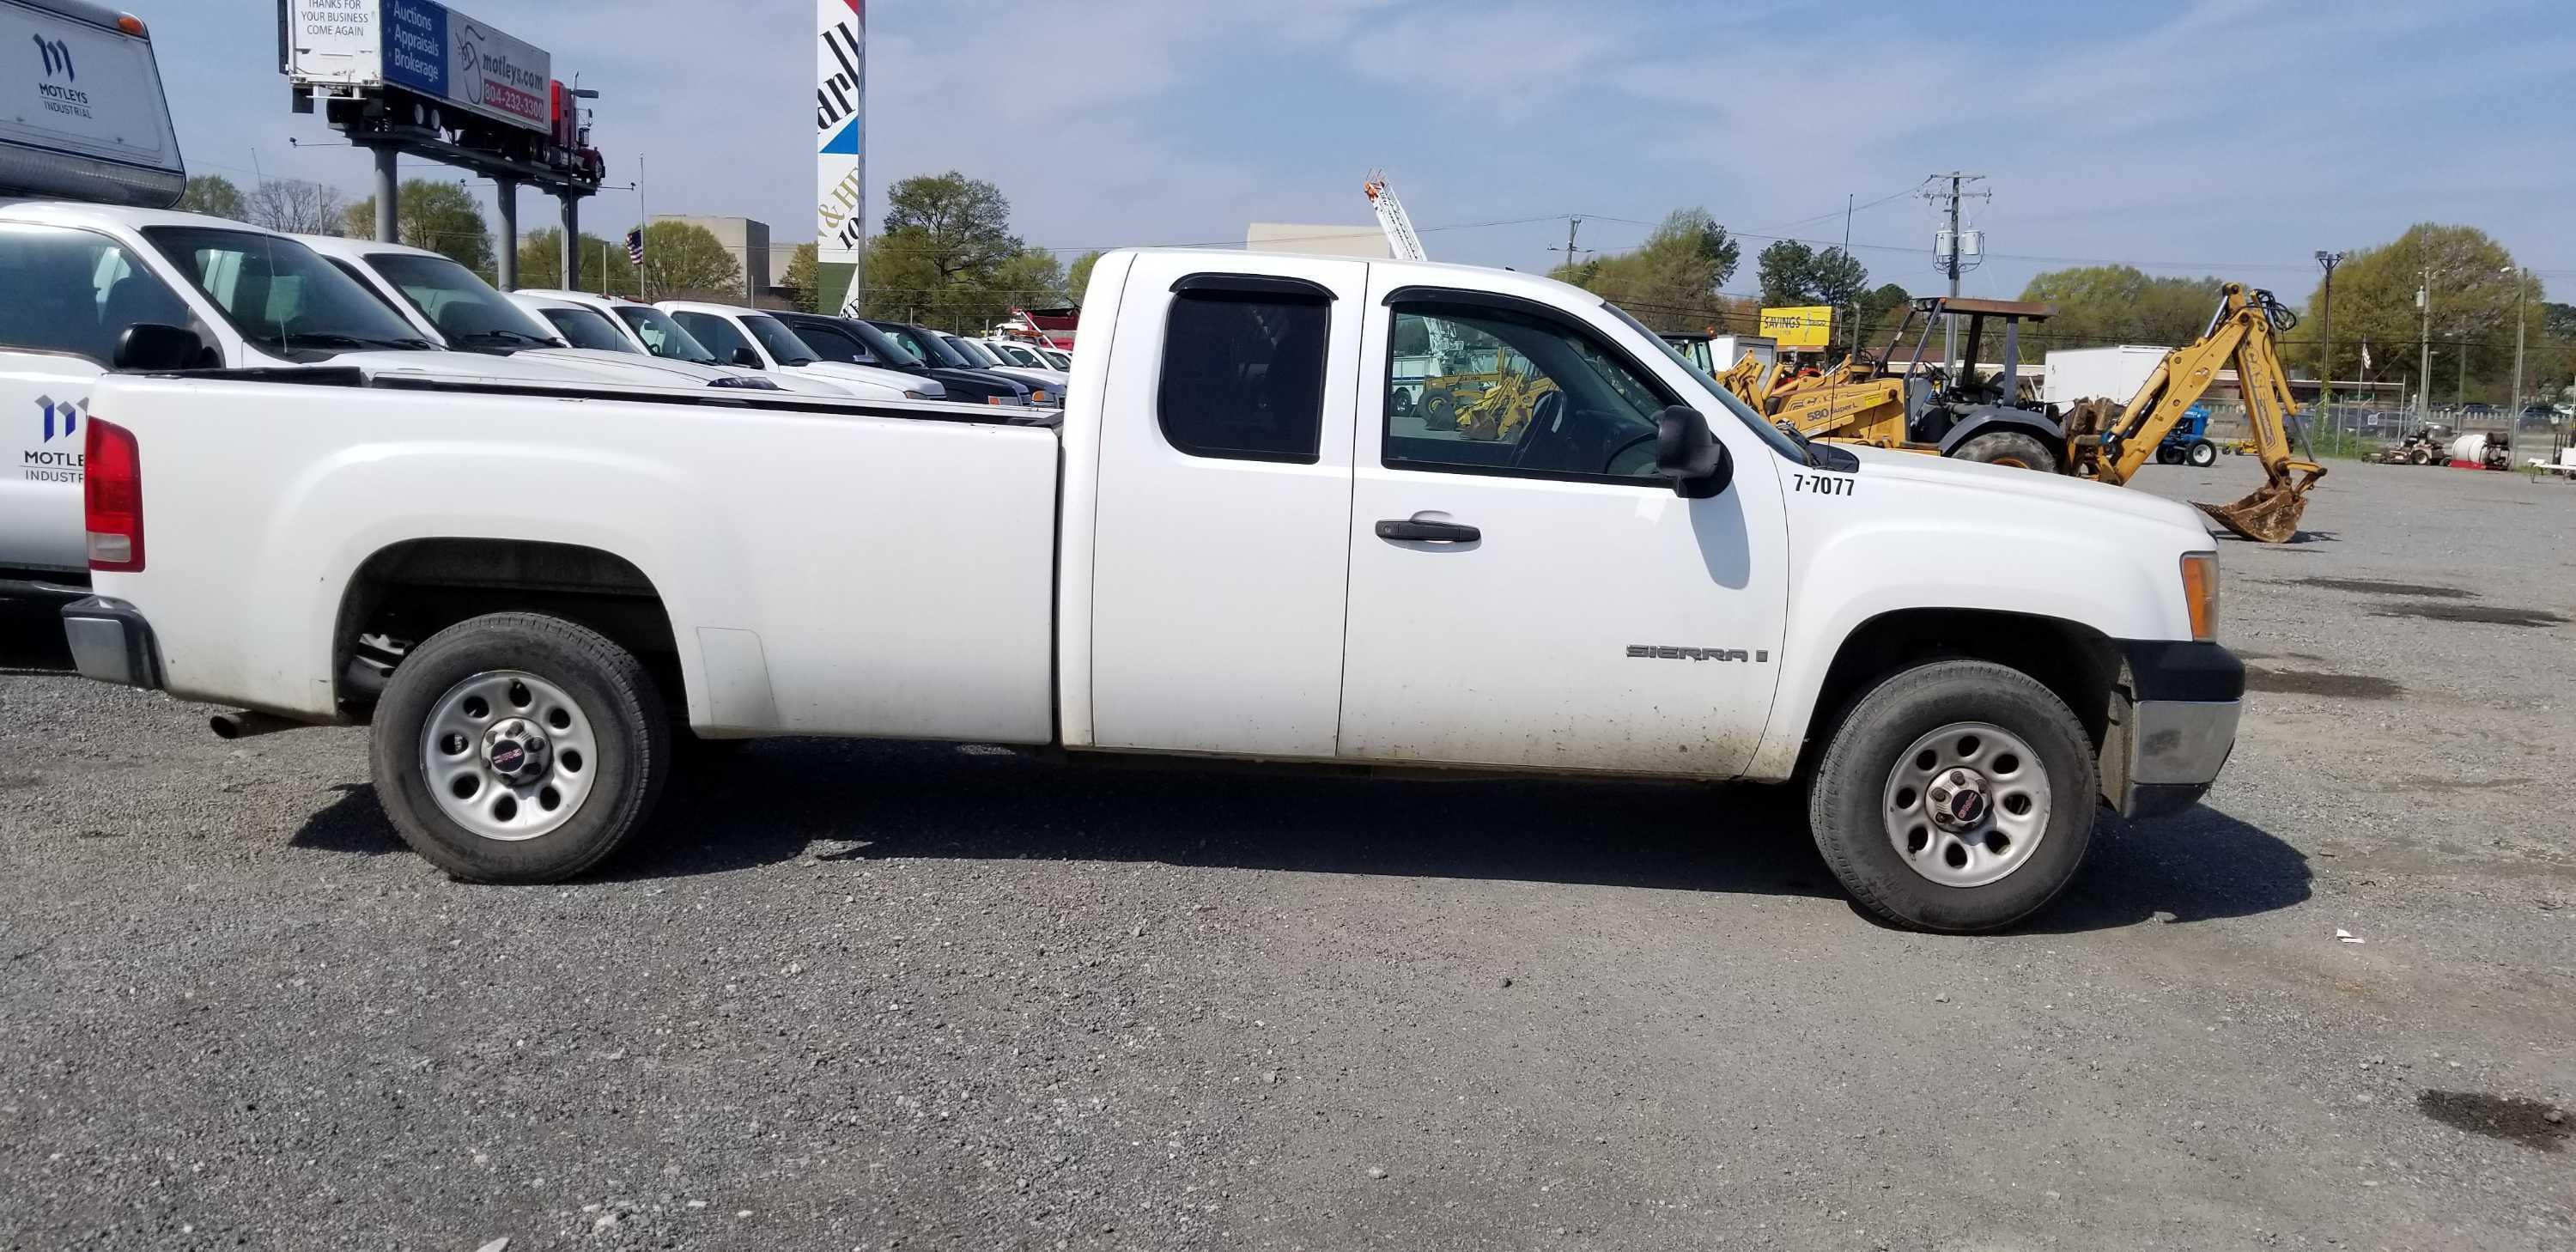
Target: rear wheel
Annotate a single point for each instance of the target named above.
(1957, 796)
(2167, 454)
(2204, 453)
(519, 748)
(2008, 447)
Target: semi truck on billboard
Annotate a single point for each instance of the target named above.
(418, 63)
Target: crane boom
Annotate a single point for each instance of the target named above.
(1392, 219)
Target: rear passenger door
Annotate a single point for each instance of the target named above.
(1222, 532)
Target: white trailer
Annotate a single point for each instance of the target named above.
(2073, 374)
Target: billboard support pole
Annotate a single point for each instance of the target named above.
(387, 187)
(505, 194)
(571, 242)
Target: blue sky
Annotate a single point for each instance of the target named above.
(2232, 137)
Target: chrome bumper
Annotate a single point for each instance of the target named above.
(2171, 728)
(111, 642)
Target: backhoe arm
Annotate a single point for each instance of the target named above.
(2178, 382)
(2271, 514)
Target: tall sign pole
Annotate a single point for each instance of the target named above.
(840, 145)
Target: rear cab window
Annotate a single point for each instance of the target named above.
(1243, 372)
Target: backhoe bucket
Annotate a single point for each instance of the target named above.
(2271, 514)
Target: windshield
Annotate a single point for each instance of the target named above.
(1780, 442)
(888, 352)
(663, 337)
(464, 308)
(280, 294)
(928, 348)
(1057, 359)
(781, 342)
(584, 328)
(974, 352)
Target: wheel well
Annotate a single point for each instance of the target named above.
(2076, 662)
(412, 590)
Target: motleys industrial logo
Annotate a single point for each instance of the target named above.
(60, 97)
(58, 420)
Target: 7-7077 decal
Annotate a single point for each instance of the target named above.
(1824, 484)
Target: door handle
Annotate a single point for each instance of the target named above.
(1416, 528)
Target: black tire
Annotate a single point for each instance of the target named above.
(627, 719)
(1848, 792)
(2204, 453)
(2166, 454)
(2008, 447)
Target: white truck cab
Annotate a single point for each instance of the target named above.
(453, 306)
(755, 340)
(1232, 542)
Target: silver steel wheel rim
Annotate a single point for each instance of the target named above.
(508, 755)
(1967, 804)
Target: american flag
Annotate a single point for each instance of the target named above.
(635, 246)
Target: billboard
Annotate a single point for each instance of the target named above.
(840, 143)
(422, 46)
(1802, 326)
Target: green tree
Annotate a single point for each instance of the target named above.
(1672, 280)
(215, 196)
(604, 268)
(1792, 275)
(1032, 280)
(683, 260)
(439, 216)
(2475, 289)
(1077, 276)
(1876, 314)
(1786, 272)
(803, 279)
(2099, 305)
(962, 225)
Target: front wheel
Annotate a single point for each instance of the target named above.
(519, 748)
(2204, 453)
(2007, 447)
(2168, 455)
(1956, 796)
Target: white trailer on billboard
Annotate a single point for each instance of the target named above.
(421, 46)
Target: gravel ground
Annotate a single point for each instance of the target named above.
(868, 996)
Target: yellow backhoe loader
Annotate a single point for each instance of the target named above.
(1918, 407)
(2111, 440)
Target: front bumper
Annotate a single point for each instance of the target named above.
(111, 642)
(2172, 725)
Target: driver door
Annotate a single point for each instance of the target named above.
(1525, 591)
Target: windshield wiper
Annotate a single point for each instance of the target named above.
(334, 339)
(503, 336)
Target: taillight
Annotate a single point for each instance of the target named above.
(112, 497)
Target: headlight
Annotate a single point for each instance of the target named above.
(2200, 594)
(1037, 397)
(750, 384)
(910, 394)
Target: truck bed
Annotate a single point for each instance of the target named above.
(827, 566)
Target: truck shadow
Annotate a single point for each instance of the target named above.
(31, 638)
(776, 801)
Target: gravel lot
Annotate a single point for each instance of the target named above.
(867, 996)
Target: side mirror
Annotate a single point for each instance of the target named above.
(1687, 453)
(155, 348)
(745, 357)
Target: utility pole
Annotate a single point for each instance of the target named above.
(1571, 224)
(2513, 405)
(2325, 375)
(2424, 372)
(1948, 250)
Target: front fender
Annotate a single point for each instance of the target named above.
(1948, 535)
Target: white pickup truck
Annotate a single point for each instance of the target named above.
(1230, 545)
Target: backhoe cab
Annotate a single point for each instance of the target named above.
(1919, 407)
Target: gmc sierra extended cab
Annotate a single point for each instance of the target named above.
(1229, 544)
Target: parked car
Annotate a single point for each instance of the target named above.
(754, 339)
(1034, 356)
(651, 331)
(1046, 386)
(923, 342)
(85, 281)
(449, 303)
(854, 342)
(1235, 546)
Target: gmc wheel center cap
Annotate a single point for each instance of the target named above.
(1959, 800)
(516, 750)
